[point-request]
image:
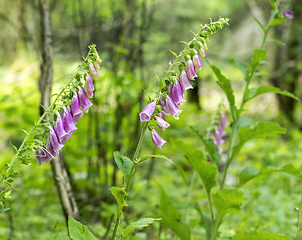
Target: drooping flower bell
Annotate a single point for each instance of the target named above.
(68, 124)
(197, 62)
(98, 58)
(161, 121)
(148, 111)
(173, 109)
(164, 106)
(41, 155)
(85, 104)
(76, 111)
(288, 14)
(184, 81)
(50, 152)
(89, 86)
(93, 71)
(202, 52)
(61, 133)
(190, 69)
(177, 94)
(54, 140)
(157, 139)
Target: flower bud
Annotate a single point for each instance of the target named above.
(161, 121)
(157, 140)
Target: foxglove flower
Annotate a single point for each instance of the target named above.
(161, 121)
(85, 104)
(50, 152)
(148, 111)
(224, 121)
(197, 62)
(177, 94)
(76, 111)
(219, 133)
(96, 65)
(93, 71)
(54, 140)
(173, 109)
(68, 124)
(98, 58)
(288, 14)
(157, 140)
(184, 81)
(164, 106)
(60, 129)
(202, 52)
(190, 69)
(205, 46)
(41, 155)
(89, 82)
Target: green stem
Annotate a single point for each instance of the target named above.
(215, 228)
(299, 228)
(189, 195)
(134, 163)
(39, 121)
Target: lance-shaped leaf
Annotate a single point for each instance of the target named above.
(254, 92)
(250, 172)
(255, 131)
(225, 85)
(258, 56)
(263, 29)
(171, 218)
(124, 164)
(240, 67)
(228, 201)
(277, 21)
(78, 231)
(259, 236)
(206, 170)
(155, 156)
(120, 196)
(141, 223)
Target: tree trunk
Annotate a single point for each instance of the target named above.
(45, 83)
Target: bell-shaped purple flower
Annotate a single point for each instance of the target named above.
(173, 109)
(157, 140)
(54, 140)
(224, 122)
(161, 121)
(50, 152)
(288, 14)
(60, 129)
(197, 62)
(164, 106)
(85, 104)
(41, 155)
(68, 124)
(89, 82)
(93, 71)
(190, 69)
(177, 94)
(76, 111)
(148, 111)
(184, 81)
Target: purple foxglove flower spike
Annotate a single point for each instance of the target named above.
(148, 111)
(84, 101)
(190, 69)
(54, 140)
(161, 122)
(184, 81)
(93, 71)
(41, 155)
(68, 124)
(288, 14)
(76, 111)
(89, 82)
(60, 129)
(177, 94)
(197, 62)
(173, 109)
(224, 121)
(157, 140)
(164, 106)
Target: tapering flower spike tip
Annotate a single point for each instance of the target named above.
(148, 111)
(84, 101)
(157, 140)
(190, 69)
(76, 111)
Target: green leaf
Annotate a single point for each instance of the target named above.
(78, 231)
(211, 148)
(276, 41)
(254, 92)
(277, 21)
(173, 53)
(120, 196)
(259, 236)
(182, 173)
(258, 56)
(2, 210)
(263, 29)
(255, 131)
(171, 218)
(228, 201)
(206, 170)
(250, 172)
(141, 223)
(272, 2)
(156, 156)
(206, 221)
(124, 164)
(225, 85)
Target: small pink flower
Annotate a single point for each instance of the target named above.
(157, 139)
